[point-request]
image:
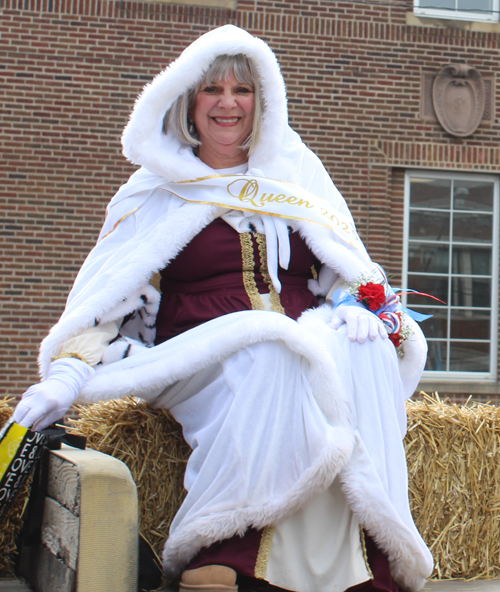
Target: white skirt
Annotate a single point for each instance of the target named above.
(275, 412)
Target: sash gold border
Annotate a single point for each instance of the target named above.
(355, 242)
(239, 208)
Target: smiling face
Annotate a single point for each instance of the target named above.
(223, 114)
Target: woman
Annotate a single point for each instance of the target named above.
(296, 427)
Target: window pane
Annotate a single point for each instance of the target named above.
(475, 5)
(471, 260)
(430, 226)
(435, 326)
(437, 3)
(473, 195)
(428, 258)
(469, 291)
(436, 286)
(451, 258)
(470, 324)
(476, 228)
(437, 356)
(430, 193)
(468, 5)
(469, 357)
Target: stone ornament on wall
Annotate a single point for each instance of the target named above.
(458, 95)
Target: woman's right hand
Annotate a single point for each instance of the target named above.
(48, 401)
(361, 323)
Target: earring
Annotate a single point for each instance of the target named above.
(191, 127)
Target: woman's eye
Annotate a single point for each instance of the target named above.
(209, 89)
(244, 90)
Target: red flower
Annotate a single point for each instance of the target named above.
(372, 295)
(396, 339)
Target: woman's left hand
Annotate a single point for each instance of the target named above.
(361, 323)
(49, 400)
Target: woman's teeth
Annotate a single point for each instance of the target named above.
(226, 119)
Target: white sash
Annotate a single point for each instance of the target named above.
(266, 196)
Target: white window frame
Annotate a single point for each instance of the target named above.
(463, 15)
(490, 376)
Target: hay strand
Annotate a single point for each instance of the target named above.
(453, 456)
(454, 475)
(453, 464)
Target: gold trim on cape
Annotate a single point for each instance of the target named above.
(119, 222)
(266, 542)
(70, 355)
(155, 281)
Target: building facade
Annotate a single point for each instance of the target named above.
(397, 97)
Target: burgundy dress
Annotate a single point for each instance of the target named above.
(219, 272)
(207, 280)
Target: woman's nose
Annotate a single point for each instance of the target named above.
(227, 100)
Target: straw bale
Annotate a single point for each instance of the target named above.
(453, 463)
(453, 456)
(12, 521)
(150, 443)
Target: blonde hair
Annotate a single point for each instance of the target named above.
(177, 117)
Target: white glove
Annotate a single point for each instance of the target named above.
(48, 401)
(361, 323)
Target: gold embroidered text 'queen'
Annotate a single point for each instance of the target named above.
(266, 196)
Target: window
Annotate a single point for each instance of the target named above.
(451, 252)
(469, 10)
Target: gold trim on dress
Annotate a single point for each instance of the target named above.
(266, 542)
(275, 297)
(70, 355)
(248, 260)
(365, 553)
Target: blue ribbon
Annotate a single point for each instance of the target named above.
(350, 300)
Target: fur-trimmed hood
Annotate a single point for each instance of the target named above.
(280, 152)
(145, 142)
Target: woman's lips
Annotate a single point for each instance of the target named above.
(227, 121)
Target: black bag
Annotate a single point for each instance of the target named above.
(150, 568)
(21, 452)
(20, 449)
(54, 436)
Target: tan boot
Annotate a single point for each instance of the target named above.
(210, 578)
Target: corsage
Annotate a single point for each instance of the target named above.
(376, 295)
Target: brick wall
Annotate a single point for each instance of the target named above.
(72, 69)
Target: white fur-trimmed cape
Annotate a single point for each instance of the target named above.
(146, 228)
(124, 261)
